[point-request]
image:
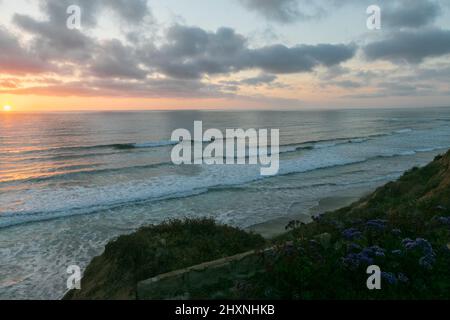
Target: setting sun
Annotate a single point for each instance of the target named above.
(7, 108)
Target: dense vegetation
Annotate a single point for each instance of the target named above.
(159, 249)
(403, 227)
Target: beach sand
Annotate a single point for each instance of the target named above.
(276, 227)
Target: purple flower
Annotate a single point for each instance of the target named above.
(411, 245)
(444, 220)
(377, 224)
(420, 243)
(366, 260)
(351, 234)
(406, 241)
(396, 232)
(426, 262)
(376, 250)
(365, 257)
(426, 246)
(429, 257)
(355, 260)
(389, 277)
(353, 247)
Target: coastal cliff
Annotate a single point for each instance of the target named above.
(402, 227)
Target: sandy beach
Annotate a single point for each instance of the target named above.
(276, 227)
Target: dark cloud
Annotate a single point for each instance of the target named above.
(302, 58)
(56, 11)
(14, 59)
(263, 78)
(54, 42)
(347, 84)
(131, 11)
(413, 14)
(191, 52)
(411, 46)
(116, 60)
(395, 13)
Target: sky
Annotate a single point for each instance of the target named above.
(223, 54)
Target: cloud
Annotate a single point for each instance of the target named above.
(115, 60)
(347, 84)
(302, 58)
(149, 88)
(412, 46)
(55, 42)
(14, 59)
(131, 11)
(291, 11)
(413, 14)
(395, 13)
(283, 11)
(174, 67)
(263, 78)
(395, 89)
(185, 61)
(191, 52)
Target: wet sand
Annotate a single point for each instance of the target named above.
(276, 227)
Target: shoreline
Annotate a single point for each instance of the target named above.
(277, 227)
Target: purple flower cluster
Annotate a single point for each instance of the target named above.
(351, 247)
(427, 262)
(389, 277)
(377, 224)
(365, 257)
(351, 234)
(429, 257)
(419, 243)
(444, 220)
(396, 232)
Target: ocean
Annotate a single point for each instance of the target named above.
(71, 182)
